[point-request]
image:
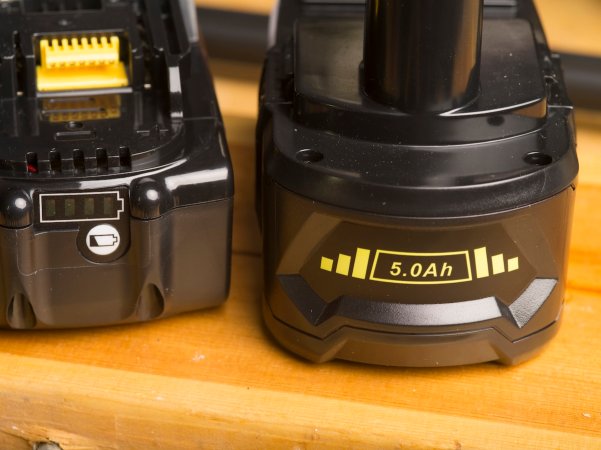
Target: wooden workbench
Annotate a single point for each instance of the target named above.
(215, 379)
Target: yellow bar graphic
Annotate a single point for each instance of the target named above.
(498, 264)
(513, 264)
(326, 264)
(344, 264)
(361, 261)
(481, 262)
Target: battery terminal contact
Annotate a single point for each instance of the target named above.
(79, 63)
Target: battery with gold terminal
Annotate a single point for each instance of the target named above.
(115, 179)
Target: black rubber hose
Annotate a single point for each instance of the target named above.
(422, 56)
(243, 37)
(583, 79)
(234, 35)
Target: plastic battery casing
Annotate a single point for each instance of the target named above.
(413, 239)
(115, 204)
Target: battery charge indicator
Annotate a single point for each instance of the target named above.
(81, 206)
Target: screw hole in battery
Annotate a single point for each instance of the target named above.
(309, 156)
(538, 158)
(496, 121)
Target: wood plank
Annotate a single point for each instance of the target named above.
(572, 27)
(217, 374)
(112, 415)
(254, 7)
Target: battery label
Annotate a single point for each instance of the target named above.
(421, 268)
(387, 266)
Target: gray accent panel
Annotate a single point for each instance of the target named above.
(531, 300)
(422, 315)
(317, 311)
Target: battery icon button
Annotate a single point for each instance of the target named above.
(103, 240)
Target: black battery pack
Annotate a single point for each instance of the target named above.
(115, 179)
(416, 166)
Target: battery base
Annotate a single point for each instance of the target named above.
(410, 350)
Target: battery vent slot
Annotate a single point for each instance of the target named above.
(79, 163)
(124, 158)
(55, 161)
(76, 162)
(32, 162)
(102, 160)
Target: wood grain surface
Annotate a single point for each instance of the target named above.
(215, 379)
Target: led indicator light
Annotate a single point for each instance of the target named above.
(81, 206)
(89, 206)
